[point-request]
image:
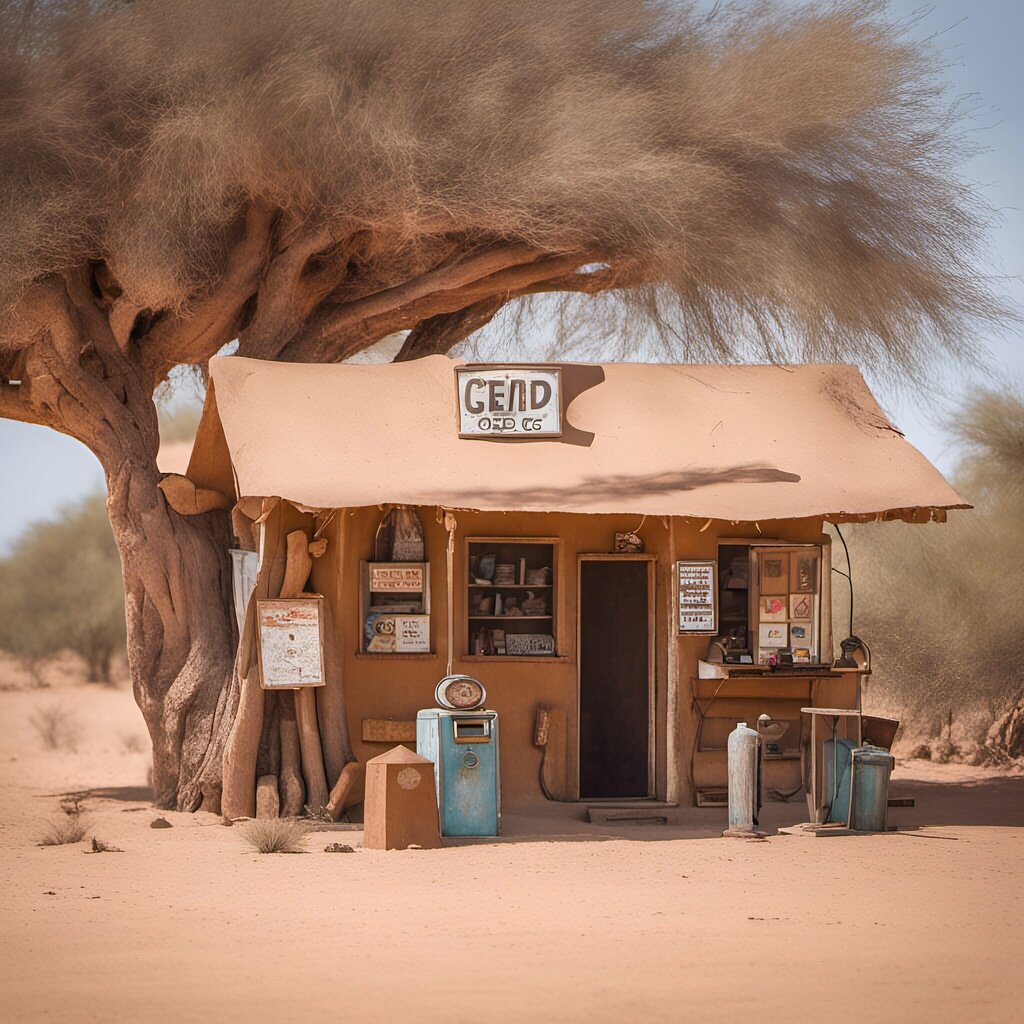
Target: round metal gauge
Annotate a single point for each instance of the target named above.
(460, 693)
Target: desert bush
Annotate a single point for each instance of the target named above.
(57, 727)
(65, 829)
(275, 835)
(939, 605)
(63, 591)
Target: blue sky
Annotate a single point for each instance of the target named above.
(41, 469)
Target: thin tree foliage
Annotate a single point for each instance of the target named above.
(766, 181)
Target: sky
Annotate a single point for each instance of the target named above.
(41, 470)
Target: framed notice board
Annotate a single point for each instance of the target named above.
(290, 649)
(697, 596)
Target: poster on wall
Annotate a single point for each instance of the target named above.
(697, 597)
(386, 633)
(290, 648)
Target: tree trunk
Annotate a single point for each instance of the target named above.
(181, 633)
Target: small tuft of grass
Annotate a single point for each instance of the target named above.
(275, 835)
(57, 727)
(69, 828)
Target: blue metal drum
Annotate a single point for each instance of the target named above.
(869, 802)
(464, 747)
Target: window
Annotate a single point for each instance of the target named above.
(511, 593)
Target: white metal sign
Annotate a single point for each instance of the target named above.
(290, 643)
(509, 401)
(695, 587)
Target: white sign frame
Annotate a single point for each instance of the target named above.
(290, 647)
(515, 384)
(696, 596)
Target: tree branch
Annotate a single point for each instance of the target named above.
(194, 336)
(441, 333)
(550, 273)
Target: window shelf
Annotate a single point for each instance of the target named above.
(488, 635)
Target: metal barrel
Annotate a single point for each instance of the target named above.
(869, 800)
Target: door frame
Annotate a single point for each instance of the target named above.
(652, 575)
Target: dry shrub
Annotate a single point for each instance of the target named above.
(275, 835)
(57, 727)
(939, 604)
(65, 829)
(63, 591)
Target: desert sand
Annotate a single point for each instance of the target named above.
(560, 921)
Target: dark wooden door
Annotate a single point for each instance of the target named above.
(614, 678)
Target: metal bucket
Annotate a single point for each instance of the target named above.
(869, 801)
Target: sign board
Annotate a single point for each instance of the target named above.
(396, 578)
(290, 642)
(398, 634)
(523, 402)
(696, 593)
(412, 633)
(536, 644)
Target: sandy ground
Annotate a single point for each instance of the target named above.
(562, 921)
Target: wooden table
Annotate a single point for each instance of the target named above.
(850, 717)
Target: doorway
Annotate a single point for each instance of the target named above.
(616, 659)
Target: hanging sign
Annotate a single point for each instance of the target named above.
(290, 646)
(509, 401)
(695, 588)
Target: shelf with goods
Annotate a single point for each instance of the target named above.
(511, 596)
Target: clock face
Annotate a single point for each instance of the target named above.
(461, 693)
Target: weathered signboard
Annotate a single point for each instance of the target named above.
(397, 578)
(531, 644)
(290, 642)
(695, 590)
(509, 401)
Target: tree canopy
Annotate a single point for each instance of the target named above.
(761, 182)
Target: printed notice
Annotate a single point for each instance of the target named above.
(290, 650)
(695, 585)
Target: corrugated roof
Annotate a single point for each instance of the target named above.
(741, 443)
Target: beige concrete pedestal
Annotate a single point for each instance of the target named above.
(401, 802)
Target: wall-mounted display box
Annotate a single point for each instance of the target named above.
(511, 596)
(394, 607)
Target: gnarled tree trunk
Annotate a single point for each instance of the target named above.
(181, 637)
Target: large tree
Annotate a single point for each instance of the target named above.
(308, 176)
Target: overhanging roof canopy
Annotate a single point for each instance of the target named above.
(740, 443)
